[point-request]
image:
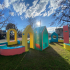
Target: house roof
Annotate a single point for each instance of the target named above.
(39, 29)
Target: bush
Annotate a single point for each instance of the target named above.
(2, 37)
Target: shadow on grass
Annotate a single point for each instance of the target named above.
(47, 59)
(60, 44)
(52, 43)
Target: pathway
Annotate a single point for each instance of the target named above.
(5, 40)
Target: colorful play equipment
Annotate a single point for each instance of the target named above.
(67, 46)
(38, 40)
(27, 30)
(4, 45)
(66, 34)
(8, 37)
(66, 37)
(53, 39)
(41, 40)
(60, 40)
(18, 42)
(34, 44)
(7, 51)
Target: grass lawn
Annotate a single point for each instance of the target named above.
(55, 57)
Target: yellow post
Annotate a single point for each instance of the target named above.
(27, 30)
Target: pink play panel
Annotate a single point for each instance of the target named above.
(8, 52)
(66, 34)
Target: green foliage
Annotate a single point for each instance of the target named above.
(10, 26)
(62, 13)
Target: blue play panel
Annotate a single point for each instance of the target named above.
(50, 41)
(2, 46)
(54, 39)
(18, 42)
(28, 42)
(12, 47)
(4, 43)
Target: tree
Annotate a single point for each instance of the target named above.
(3, 18)
(10, 26)
(19, 33)
(62, 14)
(32, 21)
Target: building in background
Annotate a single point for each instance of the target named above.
(59, 31)
(2, 34)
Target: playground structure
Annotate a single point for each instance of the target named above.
(27, 30)
(41, 40)
(38, 40)
(60, 40)
(54, 39)
(8, 37)
(66, 37)
(66, 34)
(7, 51)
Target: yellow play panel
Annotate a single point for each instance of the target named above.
(60, 40)
(67, 46)
(8, 37)
(27, 30)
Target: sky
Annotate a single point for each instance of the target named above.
(21, 10)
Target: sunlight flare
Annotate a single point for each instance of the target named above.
(38, 23)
